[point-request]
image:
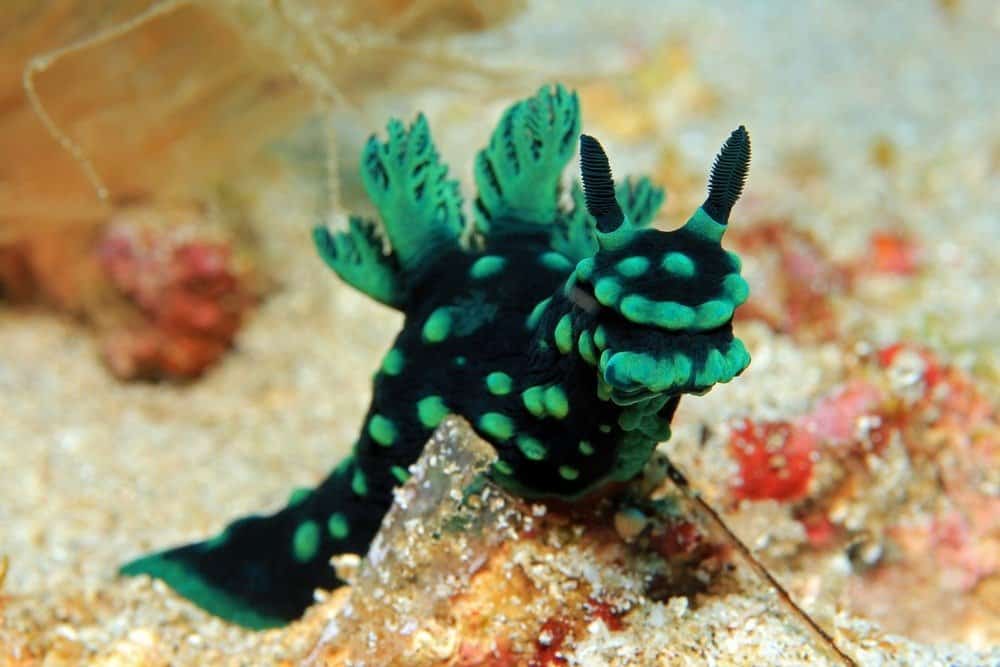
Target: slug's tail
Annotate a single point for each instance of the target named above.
(261, 571)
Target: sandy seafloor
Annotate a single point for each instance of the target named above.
(93, 472)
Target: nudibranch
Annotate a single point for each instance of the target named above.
(565, 335)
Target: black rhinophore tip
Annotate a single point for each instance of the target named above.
(598, 186)
(729, 173)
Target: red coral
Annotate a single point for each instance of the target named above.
(893, 253)
(549, 643)
(191, 298)
(599, 609)
(775, 459)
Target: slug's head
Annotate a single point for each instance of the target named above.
(662, 302)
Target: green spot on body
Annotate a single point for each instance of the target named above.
(531, 448)
(382, 430)
(604, 428)
(487, 266)
(359, 485)
(713, 314)
(737, 356)
(431, 410)
(401, 474)
(461, 361)
(533, 398)
(678, 264)
(586, 346)
(608, 291)
(564, 334)
(556, 262)
(736, 288)
(218, 540)
(632, 267)
(503, 468)
(568, 473)
(586, 448)
(337, 525)
(393, 362)
(305, 541)
(682, 368)
(734, 261)
(556, 403)
(438, 325)
(536, 313)
(497, 425)
(499, 383)
(298, 496)
(701, 224)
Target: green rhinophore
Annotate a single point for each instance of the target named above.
(497, 425)
(401, 474)
(564, 334)
(499, 383)
(702, 225)
(632, 267)
(556, 403)
(431, 410)
(438, 325)
(532, 448)
(305, 541)
(556, 261)
(356, 256)
(382, 430)
(678, 264)
(337, 526)
(393, 362)
(486, 266)
(534, 400)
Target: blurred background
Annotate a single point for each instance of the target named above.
(173, 353)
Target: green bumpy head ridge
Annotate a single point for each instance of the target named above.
(662, 303)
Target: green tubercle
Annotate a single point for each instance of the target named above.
(585, 344)
(305, 541)
(564, 334)
(532, 448)
(586, 448)
(536, 313)
(401, 474)
(556, 403)
(393, 362)
(503, 467)
(713, 314)
(382, 430)
(736, 288)
(568, 472)
(431, 410)
(534, 400)
(499, 383)
(556, 261)
(487, 266)
(438, 326)
(337, 526)
(497, 425)
(359, 485)
(608, 291)
(298, 496)
(678, 264)
(632, 267)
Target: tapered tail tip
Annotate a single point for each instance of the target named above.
(729, 174)
(598, 185)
